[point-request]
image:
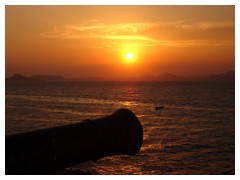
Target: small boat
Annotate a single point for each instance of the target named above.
(159, 107)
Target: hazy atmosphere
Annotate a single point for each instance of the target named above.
(119, 41)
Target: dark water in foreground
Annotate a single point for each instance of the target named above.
(194, 134)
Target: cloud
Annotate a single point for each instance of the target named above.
(96, 30)
(122, 32)
(199, 43)
(197, 25)
(215, 25)
(138, 34)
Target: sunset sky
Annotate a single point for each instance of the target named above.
(119, 41)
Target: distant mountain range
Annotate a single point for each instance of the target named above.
(163, 77)
(228, 76)
(19, 77)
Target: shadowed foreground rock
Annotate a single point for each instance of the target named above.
(48, 150)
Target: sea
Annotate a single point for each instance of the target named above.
(194, 133)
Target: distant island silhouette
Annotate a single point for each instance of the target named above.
(19, 77)
(227, 76)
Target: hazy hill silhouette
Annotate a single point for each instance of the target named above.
(19, 77)
(162, 77)
(230, 75)
(227, 76)
(170, 77)
(47, 78)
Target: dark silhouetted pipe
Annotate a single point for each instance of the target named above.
(48, 150)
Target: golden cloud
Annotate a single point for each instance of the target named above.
(137, 34)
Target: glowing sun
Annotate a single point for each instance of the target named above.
(129, 57)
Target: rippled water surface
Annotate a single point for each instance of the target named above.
(194, 134)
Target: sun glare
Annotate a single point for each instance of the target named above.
(129, 57)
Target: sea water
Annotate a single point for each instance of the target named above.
(193, 134)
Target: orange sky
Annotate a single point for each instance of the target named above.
(79, 41)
